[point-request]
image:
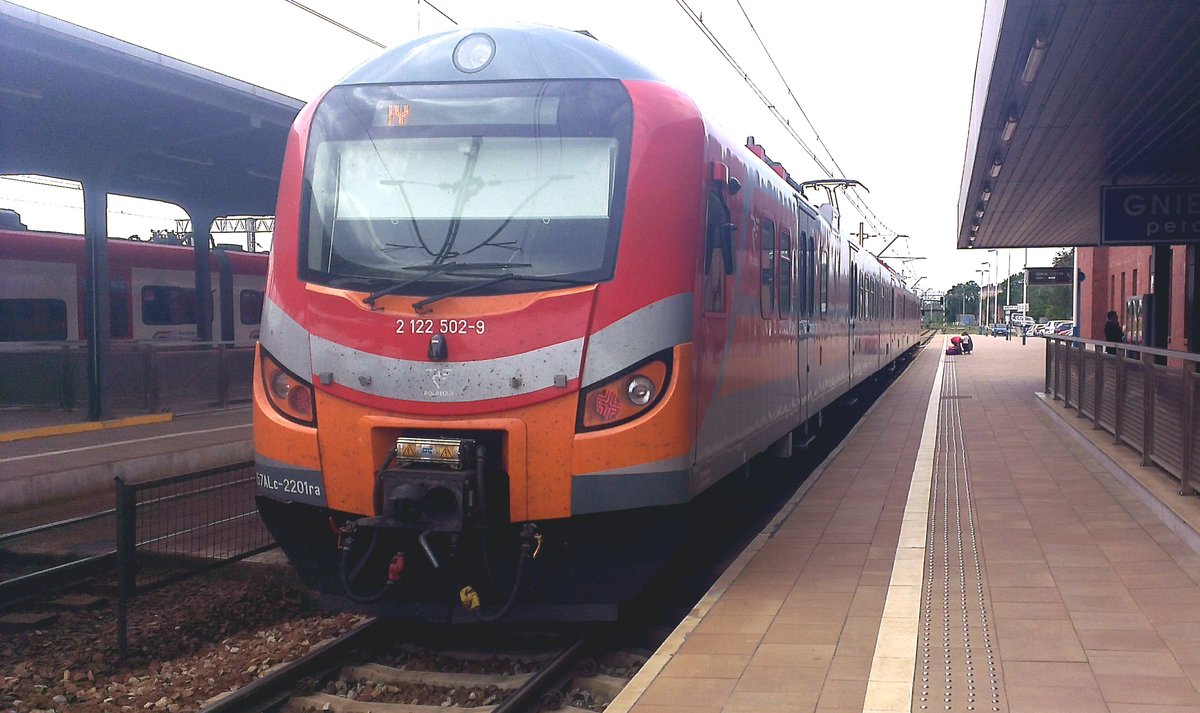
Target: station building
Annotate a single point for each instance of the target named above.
(1083, 134)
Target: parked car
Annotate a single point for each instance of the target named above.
(999, 330)
(1065, 328)
(1051, 327)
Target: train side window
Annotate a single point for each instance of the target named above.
(28, 319)
(855, 292)
(713, 288)
(785, 273)
(162, 304)
(250, 303)
(768, 268)
(824, 278)
(804, 288)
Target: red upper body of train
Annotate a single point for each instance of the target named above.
(516, 278)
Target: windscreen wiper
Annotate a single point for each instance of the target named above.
(432, 270)
(493, 280)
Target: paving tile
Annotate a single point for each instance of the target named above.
(798, 655)
(701, 643)
(787, 680)
(706, 666)
(1054, 699)
(1038, 640)
(678, 691)
(733, 624)
(848, 667)
(1034, 674)
(1164, 690)
(1120, 640)
(1152, 664)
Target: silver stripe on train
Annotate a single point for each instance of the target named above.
(285, 339)
(446, 381)
(636, 336)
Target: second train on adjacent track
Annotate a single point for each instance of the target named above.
(526, 302)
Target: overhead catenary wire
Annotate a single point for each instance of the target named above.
(807, 120)
(868, 215)
(356, 33)
(337, 24)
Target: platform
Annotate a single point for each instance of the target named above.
(52, 466)
(966, 548)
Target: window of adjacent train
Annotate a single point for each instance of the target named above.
(250, 306)
(459, 184)
(168, 305)
(767, 268)
(785, 274)
(27, 319)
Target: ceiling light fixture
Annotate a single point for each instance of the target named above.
(1010, 127)
(1034, 62)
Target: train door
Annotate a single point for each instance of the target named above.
(803, 298)
(855, 304)
(714, 335)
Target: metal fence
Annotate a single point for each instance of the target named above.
(172, 529)
(38, 560)
(1145, 397)
(151, 376)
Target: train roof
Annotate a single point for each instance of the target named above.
(498, 54)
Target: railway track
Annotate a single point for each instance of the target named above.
(482, 670)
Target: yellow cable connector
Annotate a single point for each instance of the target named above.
(469, 598)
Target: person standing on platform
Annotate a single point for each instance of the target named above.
(1113, 331)
(967, 345)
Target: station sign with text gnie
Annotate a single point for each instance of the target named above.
(1149, 215)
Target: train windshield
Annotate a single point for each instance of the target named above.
(524, 176)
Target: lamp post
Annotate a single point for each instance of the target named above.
(981, 273)
(995, 281)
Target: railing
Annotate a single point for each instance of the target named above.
(175, 528)
(36, 561)
(1132, 393)
(150, 376)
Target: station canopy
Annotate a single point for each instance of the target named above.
(1071, 96)
(80, 105)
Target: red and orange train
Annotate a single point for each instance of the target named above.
(525, 299)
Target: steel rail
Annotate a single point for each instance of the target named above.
(275, 687)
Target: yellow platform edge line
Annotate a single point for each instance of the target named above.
(84, 427)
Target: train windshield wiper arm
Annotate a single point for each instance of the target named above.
(397, 286)
(493, 280)
(431, 270)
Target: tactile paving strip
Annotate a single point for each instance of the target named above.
(958, 667)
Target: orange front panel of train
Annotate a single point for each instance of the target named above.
(537, 453)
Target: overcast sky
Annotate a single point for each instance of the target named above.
(887, 84)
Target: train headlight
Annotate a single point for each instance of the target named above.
(626, 395)
(640, 390)
(474, 52)
(290, 395)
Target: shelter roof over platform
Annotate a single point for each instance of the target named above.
(81, 105)
(1113, 97)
